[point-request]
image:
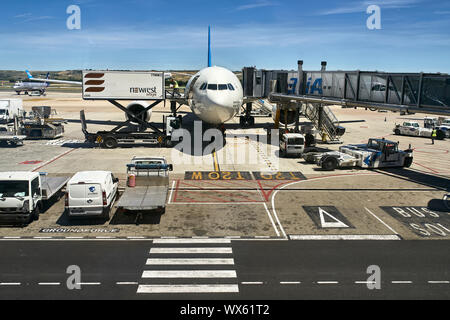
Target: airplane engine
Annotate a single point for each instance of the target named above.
(288, 113)
(136, 108)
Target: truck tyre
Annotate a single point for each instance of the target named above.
(110, 143)
(397, 132)
(329, 164)
(168, 143)
(408, 162)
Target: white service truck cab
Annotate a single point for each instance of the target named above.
(91, 194)
(9, 109)
(23, 195)
(292, 144)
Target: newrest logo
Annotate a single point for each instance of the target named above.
(147, 91)
(95, 83)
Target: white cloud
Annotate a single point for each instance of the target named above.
(258, 4)
(361, 6)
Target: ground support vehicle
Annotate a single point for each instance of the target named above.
(147, 186)
(377, 153)
(24, 195)
(91, 194)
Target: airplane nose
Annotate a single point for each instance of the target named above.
(220, 110)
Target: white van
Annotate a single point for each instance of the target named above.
(91, 194)
(292, 144)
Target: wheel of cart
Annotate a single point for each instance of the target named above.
(329, 164)
(397, 132)
(168, 142)
(440, 135)
(408, 162)
(110, 142)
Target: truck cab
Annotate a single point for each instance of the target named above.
(20, 196)
(292, 144)
(91, 194)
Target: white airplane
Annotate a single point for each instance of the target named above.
(214, 94)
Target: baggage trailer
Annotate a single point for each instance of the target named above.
(42, 125)
(9, 135)
(147, 186)
(377, 153)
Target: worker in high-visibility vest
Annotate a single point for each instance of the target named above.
(433, 135)
(176, 87)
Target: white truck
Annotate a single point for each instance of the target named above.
(10, 108)
(377, 153)
(292, 144)
(413, 128)
(91, 194)
(24, 195)
(147, 186)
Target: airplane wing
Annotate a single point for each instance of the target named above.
(30, 77)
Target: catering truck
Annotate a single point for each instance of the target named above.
(24, 195)
(10, 108)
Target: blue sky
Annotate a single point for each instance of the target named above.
(270, 34)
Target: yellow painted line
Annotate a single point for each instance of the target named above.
(216, 164)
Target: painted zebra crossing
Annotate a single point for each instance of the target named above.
(189, 266)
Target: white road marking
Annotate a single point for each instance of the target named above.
(365, 282)
(189, 261)
(171, 192)
(290, 282)
(126, 283)
(89, 283)
(438, 282)
(193, 241)
(344, 237)
(382, 221)
(215, 203)
(10, 284)
(327, 282)
(210, 288)
(190, 274)
(401, 282)
(252, 283)
(271, 220)
(49, 283)
(302, 181)
(191, 250)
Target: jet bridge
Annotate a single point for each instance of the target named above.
(309, 90)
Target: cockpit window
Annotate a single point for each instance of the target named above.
(223, 87)
(203, 86)
(212, 86)
(230, 86)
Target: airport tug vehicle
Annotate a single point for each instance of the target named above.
(147, 186)
(413, 128)
(377, 153)
(24, 195)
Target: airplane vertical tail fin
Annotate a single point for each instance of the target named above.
(29, 74)
(209, 46)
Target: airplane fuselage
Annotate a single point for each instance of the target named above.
(215, 95)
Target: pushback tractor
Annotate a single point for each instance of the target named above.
(377, 153)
